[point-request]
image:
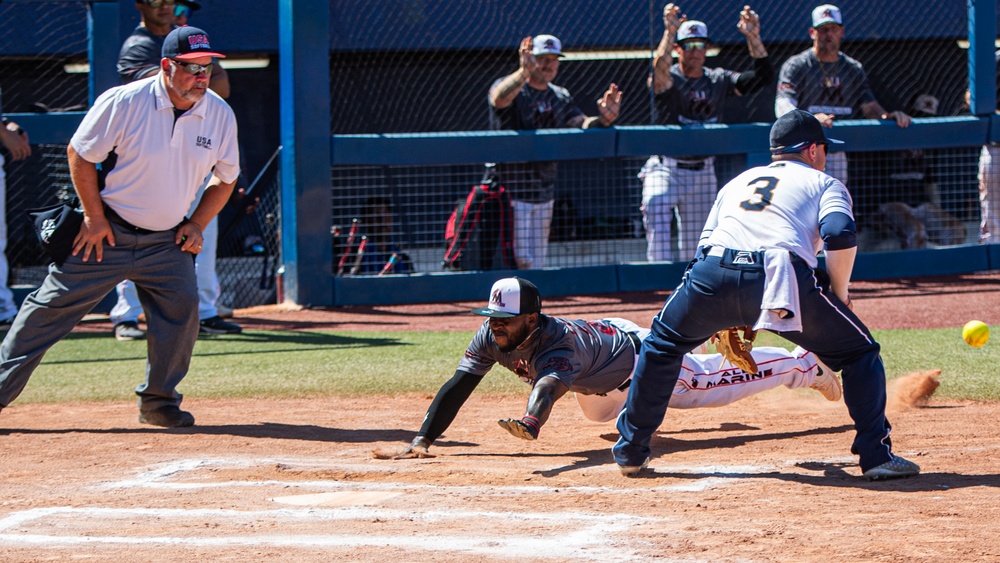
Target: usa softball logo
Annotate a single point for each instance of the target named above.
(198, 41)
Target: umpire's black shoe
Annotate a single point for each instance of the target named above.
(170, 416)
(216, 325)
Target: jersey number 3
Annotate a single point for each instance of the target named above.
(761, 198)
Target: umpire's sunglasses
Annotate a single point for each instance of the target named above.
(158, 3)
(193, 68)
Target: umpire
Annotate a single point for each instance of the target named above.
(156, 139)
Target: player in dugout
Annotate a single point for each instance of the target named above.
(594, 360)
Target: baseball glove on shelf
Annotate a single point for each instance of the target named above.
(736, 347)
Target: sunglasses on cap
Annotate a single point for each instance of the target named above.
(158, 3)
(194, 68)
(182, 10)
(694, 45)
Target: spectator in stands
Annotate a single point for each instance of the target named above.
(524, 100)
(140, 57)
(829, 84)
(989, 181)
(688, 93)
(15, 141)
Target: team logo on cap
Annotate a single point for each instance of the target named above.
(828, 14)
(550, 45)
(198, 41)
(497, 298)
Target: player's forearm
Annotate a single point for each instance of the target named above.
(214, 199)
(84, 176)
(593, 121)
(756, 47)
(873, 110)
(446, 404)
(545, 393)
(503, 93)
(840, 264)
(661, 64)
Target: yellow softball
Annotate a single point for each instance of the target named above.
(975, 333)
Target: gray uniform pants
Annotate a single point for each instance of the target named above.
(165, 278)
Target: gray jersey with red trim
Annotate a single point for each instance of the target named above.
(587, 356)
(839, 88)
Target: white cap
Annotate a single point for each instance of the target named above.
(927, 104)
(827, 13)
(546, 45)
(511, 297)
(692, 29)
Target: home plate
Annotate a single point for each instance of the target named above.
(339, 498)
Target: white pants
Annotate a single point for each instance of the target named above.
(7, 307)
(708, 380)
(532, 223)
(128, 308)
(989, 194)
(667, 189)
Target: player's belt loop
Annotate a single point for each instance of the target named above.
(717, 251)
(636, 343)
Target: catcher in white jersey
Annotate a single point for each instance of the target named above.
(594, 360)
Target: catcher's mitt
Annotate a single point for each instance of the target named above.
(737, 348)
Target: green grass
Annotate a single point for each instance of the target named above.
(96, 367)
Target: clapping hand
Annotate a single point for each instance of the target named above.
(672, 17)
(528, 61)
(749, 24)
(609, 106)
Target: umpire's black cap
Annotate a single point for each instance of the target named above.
(795, 131)
(511, 297)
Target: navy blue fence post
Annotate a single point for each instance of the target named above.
(103, 45)
(306, 216)
(982, 62)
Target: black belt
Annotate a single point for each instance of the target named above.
(115, 218)
(691, 165)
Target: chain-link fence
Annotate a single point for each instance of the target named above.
(439, 82)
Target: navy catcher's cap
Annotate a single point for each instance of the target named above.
(511, 297)
(184, 43)
(795, 131)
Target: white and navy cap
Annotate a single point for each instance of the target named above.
(692, 29)
(827, 13)
(511, 297)
(546, 45)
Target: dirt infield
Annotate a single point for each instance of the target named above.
(767, 479)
